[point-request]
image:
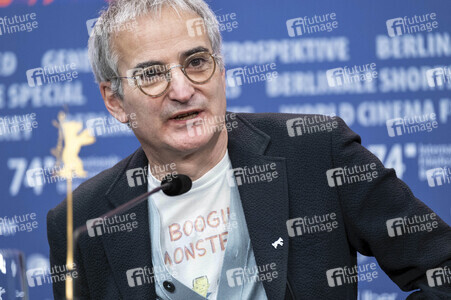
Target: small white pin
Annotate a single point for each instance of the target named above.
(277, 243)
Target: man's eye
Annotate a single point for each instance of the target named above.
(148, 75)
(197, 63)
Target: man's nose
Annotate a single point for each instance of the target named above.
(181, 88)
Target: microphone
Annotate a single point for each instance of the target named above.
(171, 185)
(178, 185)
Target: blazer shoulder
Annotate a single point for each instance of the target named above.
(282, 125)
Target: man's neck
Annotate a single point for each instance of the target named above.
(194, 164)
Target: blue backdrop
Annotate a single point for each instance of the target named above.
(310, 44)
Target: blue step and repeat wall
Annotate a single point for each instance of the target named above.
(383, 66)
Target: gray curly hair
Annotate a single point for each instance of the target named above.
(103, 57)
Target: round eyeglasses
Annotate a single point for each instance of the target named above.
(155, 80)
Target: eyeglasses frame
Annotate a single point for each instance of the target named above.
(168, 72)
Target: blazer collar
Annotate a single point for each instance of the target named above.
(265, 206)
(265, 203)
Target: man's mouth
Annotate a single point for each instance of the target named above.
(186, 116)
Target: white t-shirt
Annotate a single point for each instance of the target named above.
(194, 231)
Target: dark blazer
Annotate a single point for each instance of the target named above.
(301, 189)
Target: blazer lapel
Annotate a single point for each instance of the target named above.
(264, 199)
(130, 250)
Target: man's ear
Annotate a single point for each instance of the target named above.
(113, 103)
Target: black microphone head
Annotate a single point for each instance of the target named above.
(176, 184)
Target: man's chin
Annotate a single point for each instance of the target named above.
(190, 142)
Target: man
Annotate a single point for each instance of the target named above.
(271, 215)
